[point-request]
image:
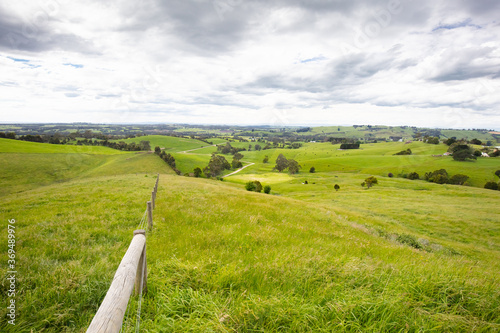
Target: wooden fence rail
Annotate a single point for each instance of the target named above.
(133, 271)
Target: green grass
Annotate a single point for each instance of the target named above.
(16, 146)
(169, 143)
(221, 259)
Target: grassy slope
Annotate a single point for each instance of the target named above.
(170, 143)
(224, 259)
(16, 146)
(44, 164)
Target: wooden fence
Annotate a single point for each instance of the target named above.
(131, 273)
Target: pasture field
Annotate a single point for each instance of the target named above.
(375, 158)
(169, 143)
(403, 256)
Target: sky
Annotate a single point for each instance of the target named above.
(427, 63)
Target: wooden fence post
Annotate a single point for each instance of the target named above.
(109, 317)
(150, 216)
(153, 199)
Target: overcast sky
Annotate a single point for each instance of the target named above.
(276, 62)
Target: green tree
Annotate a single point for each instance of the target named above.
(157, 150)
(497, 173)
(293, 167)
(462, 152)
(281, 163)
(266, 159)
(258, 186)
(267, 189)
(144, 145)
(197, 172)
(312, 170)
(336, 187)
(450, 141)
(216, 166)
(370, 181)
(236, 164)
(258, 147)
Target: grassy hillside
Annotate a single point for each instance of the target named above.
(15, 146)
(169, 143)
(28, 165)
(403, 256)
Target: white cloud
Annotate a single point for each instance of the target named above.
(251, 62)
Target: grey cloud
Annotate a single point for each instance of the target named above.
(21, 35)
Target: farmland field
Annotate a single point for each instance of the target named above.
(404, 255)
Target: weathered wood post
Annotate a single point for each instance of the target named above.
(141, 277)
(153, 199)
(109, 317)
(150, 216)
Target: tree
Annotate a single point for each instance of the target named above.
(144, 145)
(336, 187)
(197, 172)
(258, 186)
(497, 173)
(293, 167)
(413, 176)
(266, 159)
(461, 152)
(157, 150)
(267, 189)
(491, 186)
(281, 163)
(370, 181)
(236, 164)
(226, 149)
(450, 141)
(438, 176)
(312, 170)
(258, 147)
(476, 142)
(216, 165)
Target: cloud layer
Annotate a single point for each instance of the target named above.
(294, 62)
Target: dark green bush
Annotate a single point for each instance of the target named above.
(409, 240)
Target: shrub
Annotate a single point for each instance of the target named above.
(438, 176)
(409, 240)
(197, 172)
(497, 173)
(266, 158)
(404, 152)
(349, 146)
(336, 187)
(390, 175)
(267, 189)
(413, 176)
(491, 186)
(255, 186)
(458, 179)
(312, 170)
(250, 186)
(370, 181)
